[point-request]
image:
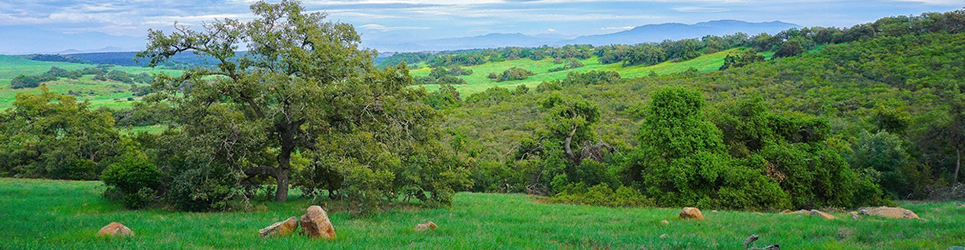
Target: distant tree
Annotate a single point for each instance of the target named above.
(745, 58)
(788, 49)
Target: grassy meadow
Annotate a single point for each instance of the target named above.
(110, 94)
(53, 214)
(477, 82)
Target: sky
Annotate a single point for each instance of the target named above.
(46, 26)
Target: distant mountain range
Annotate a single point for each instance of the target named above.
(641, 34)
(677, 31)
(52, 42)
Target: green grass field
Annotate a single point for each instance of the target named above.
(477, 82)
(49, 214)
(109, 94)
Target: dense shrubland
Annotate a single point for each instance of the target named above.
(875, 113)
(847, 125)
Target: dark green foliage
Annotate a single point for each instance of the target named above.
(143, 114)
(570, 64)
(48, 135)
(446, 97)
(646, 55)
(789, 48)
(591, 78)
(682, 159)
(24, 81)
(892, 120)
(745, 58)
(57, 58)
(135, 177)
(883, 155)
(511, 74)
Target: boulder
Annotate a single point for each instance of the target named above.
(425, 226)
(889, 212)
(665, 222)
(315, 223)
(281, 228)
(822, 214)
(691, 213)
(115, 229)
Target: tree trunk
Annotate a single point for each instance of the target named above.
(958, 165)
(284, 161)
(569, 150)
(281, 193)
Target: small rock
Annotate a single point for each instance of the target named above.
(802, 211)
(749, 240)
(961, 206)
(663, 236)
(855, 216)
(691, 213)
(282, 228)
(315, 223)
(758, 213)
(425, 226)
(665, 222)
(713, 211)
(955, 248)
(822, 214)
(773, 247)
(115, 229)
(889, 212)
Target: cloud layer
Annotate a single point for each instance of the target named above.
(383, 20)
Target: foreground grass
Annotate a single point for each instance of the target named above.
(46, 214)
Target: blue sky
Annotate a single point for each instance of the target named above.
(123, 23)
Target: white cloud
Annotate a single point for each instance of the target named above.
(700, 9)
(383, 28)
(936, 2)
(551, 30)
(618, 28)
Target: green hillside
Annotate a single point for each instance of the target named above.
(478, 82)
(105, 93)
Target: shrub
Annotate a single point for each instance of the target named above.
(511, 74)
(135, 178)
